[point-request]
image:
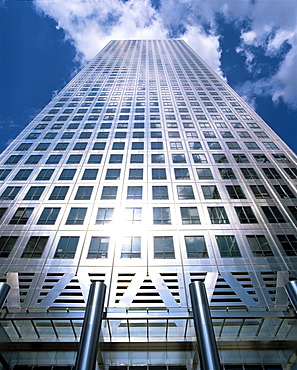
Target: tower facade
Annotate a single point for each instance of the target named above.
(148, 172)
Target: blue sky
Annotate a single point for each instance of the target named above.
(251, 43)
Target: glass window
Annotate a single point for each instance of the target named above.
(6, 245)
(251, 145)
(281, 158)
(61, 146)
(210, 192)
(173, 134)
(4, 174)
(271, 173)
(291, 172)
(22, 175)
(98, 247)
(227, 173)
(240, 158)
(228, 246)
(33, 159)
(34, 193)
(66, 247)
(249, 173)
(185, 192)
(137, 145)
(134, 192)
(220, 158)
(116, 158)
(156, 134)
(95, 158)
(59, 193)
(104, 216)
(204, 174)
(76, 216)
(103, 135)
(89, 174)
(156, 146)
(284, 191)
(67, 135)
(196, 247)
(260, 192)
(163, 247)
(135, 174)
(293, 210)
(23, 147)
(10, 192)
(2, 211)
(35, 247)
(218, 215)
(33, 136)
(85, 135)
(289, 243)
(178, 158)
(42, 146)
(261, 158)
(84, 193)
(270, 145)
(118, 146)
(259, 245)
(74, 159)
(176, 145)
(113, 174)
(99, 146)
(199, 158)
(133, 215)
(53, 159)
(159, 174)
(45, 175)
(136, 158)
(189, 215)
(191, 134)
(21, 216)
(161, 215)
(158, 158)
(273, 214)
(131, 247)
(67, 174)
(246, 215)
(48, 216)
(214, 145)
(233, 145)
(109, 192)
(195, 145)
(226, 134)
(181, 174)
(235, 192)
(13, 159)
(209, 134)
(140, 134)
(160, 192)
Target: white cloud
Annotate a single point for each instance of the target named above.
(90, 24)
(207, 46)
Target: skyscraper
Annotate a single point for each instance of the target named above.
(148, 172)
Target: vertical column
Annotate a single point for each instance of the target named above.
(207, 347)
(291, 290)
(86, 356)
(4, 290)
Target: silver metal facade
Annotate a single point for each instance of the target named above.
(148, 172)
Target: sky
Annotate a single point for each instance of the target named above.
(252, 44)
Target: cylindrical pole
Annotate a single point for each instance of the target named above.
(291, 290)
(86, 356)
(207, 348)
(4, 290)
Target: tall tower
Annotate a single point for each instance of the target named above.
(148, 172)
